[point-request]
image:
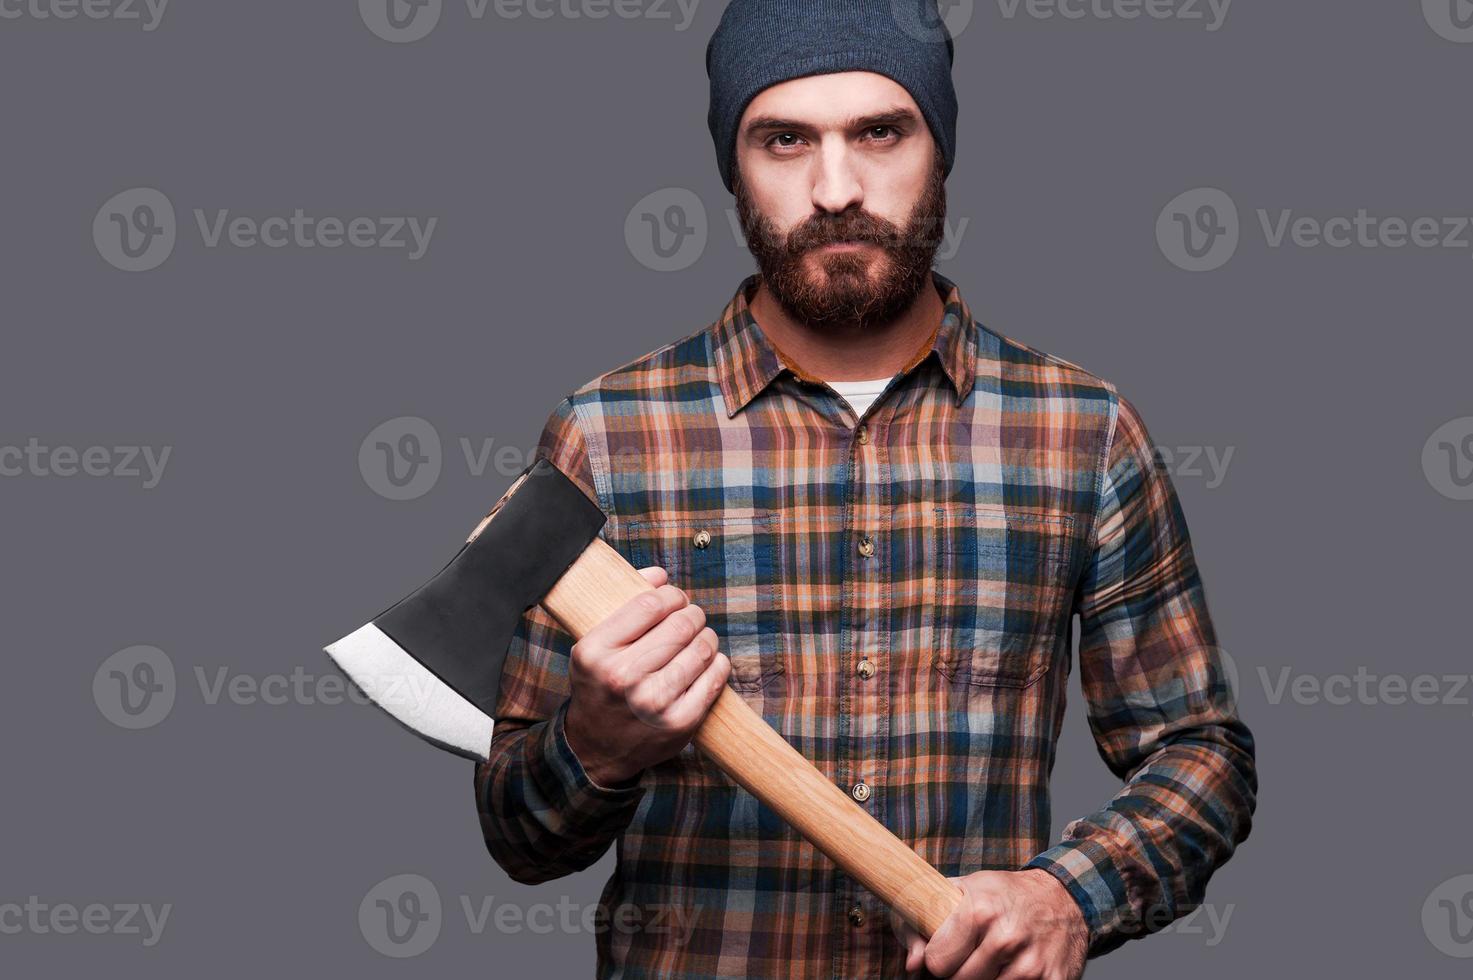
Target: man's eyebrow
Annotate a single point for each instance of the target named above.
(896, 116)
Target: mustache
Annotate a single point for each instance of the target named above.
(858, 226)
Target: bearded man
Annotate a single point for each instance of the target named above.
(874, 518)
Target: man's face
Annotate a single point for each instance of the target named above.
(841, 195)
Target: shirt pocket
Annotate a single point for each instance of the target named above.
(1001, 593)
(727, 567)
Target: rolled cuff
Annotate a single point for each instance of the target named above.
(567, 786)
(1089, 872)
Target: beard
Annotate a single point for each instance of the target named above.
(858, 287)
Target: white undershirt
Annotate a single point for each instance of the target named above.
(860, 394)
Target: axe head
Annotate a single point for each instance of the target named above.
(433, 659)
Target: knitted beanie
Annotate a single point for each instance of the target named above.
(759, 43)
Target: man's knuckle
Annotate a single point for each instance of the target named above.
(1008, 936)
(1028, 966)
(982, 907)
(682, 625)
(618, 682)
(647, 698)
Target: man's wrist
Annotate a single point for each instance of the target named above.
(604, 772)
(1069, 911)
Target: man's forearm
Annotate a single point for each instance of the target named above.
(1144, 859)
(542, 815)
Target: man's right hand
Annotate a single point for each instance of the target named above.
(642, 681)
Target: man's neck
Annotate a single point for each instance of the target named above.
(849, 352)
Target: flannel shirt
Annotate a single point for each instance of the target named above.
(896, 595)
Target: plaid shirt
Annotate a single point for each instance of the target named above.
(895, 593)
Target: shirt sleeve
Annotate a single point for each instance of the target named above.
(541, 814)
(1161, 710)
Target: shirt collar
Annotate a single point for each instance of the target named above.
(747, 362)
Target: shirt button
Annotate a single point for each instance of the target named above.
(863, 436)
(703, 538)
(866, 547)
(856, 916)
(860, 792)
(866, 669)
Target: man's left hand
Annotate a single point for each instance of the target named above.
(1010, 925)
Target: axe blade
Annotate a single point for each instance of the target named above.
(392, 679)
(433, 660)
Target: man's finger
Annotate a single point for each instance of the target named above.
(911, 941)
(635, 617)
(692, 705)
(655, 575)
(955, 939)
(983, 964)
(676, 676)
(915, 955)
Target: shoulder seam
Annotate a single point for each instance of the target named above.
(1107, 445)
(646, 356)
(1046, 357)
(597, 468)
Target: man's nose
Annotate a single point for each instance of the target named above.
(836, 187)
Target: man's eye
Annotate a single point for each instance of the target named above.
(883, 130)
(784, 136)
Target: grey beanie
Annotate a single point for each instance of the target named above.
(759, 43)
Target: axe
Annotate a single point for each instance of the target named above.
(433, 661)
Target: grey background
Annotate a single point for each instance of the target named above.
(1325, 548)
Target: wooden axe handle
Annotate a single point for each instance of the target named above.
(763, 763)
